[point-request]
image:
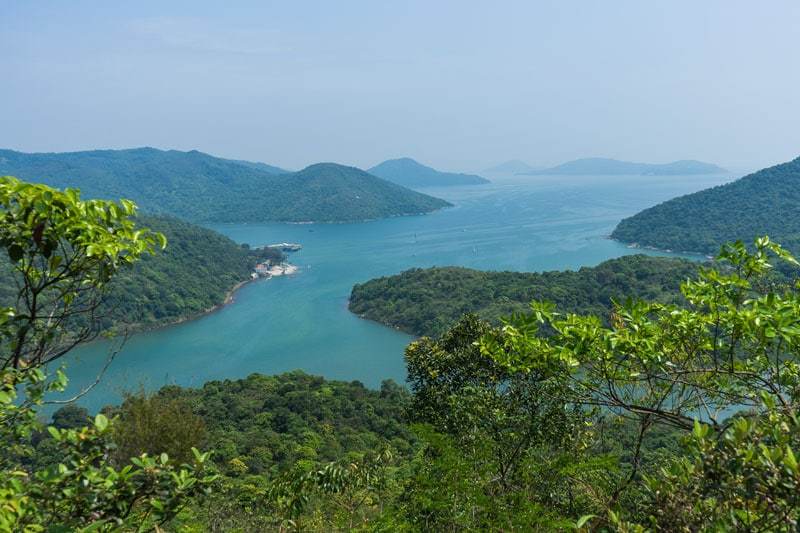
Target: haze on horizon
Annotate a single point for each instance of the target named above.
(457, 85)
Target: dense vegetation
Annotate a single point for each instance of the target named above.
(662, 417)
(194, 273)
(409, 173)
(589, 427)
(428, 301)
(201, 188)
(269, 423)
(602, 166)
(765, 202)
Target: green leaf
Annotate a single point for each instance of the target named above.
(583, 520)
(100, 422)
(790, 460)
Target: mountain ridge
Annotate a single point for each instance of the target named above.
(202, 188)
(411, 173)
(511, 167)
(606, 166)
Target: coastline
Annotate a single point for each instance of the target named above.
(230, 297)
(637, 246)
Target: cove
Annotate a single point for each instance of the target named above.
(525, 223)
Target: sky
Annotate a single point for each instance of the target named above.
(460, 85)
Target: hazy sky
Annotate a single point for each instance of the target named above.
(456, 84)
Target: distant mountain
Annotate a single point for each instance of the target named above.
(202, 188)
(409, 173)
(766, 202)
(330, 192)
(509, 168)
(602, 166)
(262, 166)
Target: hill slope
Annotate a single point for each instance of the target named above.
(192, 275)
(427, 301)
(509, 168)
(202, 188)
(327, 192)
(409, 173)
(602, 166)
(766, 202)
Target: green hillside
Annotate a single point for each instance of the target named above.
(327, 192)
(603, 166)
(428, 301)
(192, 275)
(202, 188)
(409, 173)
(764, 203)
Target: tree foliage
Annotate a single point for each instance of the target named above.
(732, 349)
(154, 424)
(766, 202)
(429, 301)
(64, 252)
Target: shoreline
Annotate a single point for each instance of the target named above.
(637, 246)
(230, 298)
(328, 222)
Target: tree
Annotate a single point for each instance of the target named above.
(502, 447)
(733, 348)
(70, 416)
(63, 252)
(156, 424)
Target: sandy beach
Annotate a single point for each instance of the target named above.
(283, 269)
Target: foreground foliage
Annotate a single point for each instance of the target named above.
(732, 350)
(63, 252)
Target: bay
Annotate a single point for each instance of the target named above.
(524, 223)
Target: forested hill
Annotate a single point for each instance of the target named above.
(328, 192)
(603, 166)
(764, 203)
(409, 173)
(192, 275)
(202, 188)
(428, 301)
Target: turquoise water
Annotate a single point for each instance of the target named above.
(302, 322)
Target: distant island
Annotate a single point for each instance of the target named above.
(409, 173)
(428, 301)
(766, 202)
(202, 188)
(510, 168)
(600, 166)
